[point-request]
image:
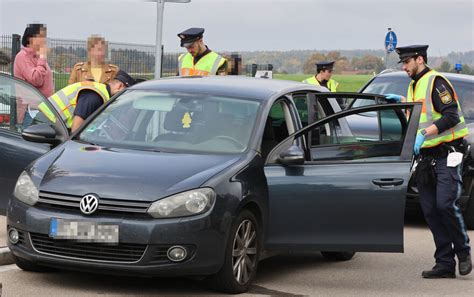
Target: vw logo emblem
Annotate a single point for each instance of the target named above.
(89, 204)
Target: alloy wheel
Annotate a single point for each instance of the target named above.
(244, 251)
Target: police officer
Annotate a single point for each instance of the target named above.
(440, 133)
(95, 69)
(78, 101)
(323, 76)
(199, 60)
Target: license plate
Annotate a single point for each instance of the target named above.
(83, 231)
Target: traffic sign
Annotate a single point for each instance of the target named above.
(458, 67)
(390, 41)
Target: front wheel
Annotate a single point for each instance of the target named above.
(241, 256)
(338, 256)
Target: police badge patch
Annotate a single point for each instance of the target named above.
(446, 97)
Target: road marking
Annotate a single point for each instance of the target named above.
(6, 268)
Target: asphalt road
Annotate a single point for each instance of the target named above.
(368, 274)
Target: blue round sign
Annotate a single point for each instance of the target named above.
(390, 41)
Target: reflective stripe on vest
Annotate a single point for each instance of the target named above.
(64, 101)
(207, 65)
(332, 84)
(423, 92)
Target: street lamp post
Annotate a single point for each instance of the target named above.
(160, 6)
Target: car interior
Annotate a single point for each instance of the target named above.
(182, 123)
(277, 127)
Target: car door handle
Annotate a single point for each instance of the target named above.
(386, 182)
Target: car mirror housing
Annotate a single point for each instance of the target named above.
(41, 133)
(294, 155)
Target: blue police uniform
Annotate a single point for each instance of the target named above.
(439, 185)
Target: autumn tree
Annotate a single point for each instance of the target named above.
(340, 64)
(368, 63)
(309, 67)
(444, 67)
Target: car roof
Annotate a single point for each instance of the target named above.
(451, 76)
(232, 86)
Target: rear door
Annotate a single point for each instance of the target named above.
(19, 103)
(349, 195)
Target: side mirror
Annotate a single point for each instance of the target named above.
(294, 155)
(41, 133)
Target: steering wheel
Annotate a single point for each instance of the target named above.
(230, 139)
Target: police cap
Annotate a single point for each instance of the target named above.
(190, 35)
(125, 78)
(411, 51)
(324, 65)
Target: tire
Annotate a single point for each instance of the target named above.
(238, 280)
(338, 256)
(469, 213)
(30, 266)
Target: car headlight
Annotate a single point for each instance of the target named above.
(184, 204)
(25, 190)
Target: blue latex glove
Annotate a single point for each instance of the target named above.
(420, 138)
(393, 97)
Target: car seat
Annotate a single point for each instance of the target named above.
(268, 139)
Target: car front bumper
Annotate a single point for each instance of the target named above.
(142, 248)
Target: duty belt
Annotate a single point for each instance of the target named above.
(442, 150)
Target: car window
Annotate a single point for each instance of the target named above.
(278, 126)
(465, 92)
(388, 85)
(174, 122)
(361, 135)
(301, 103)
(391, 84)
(19, 105)
(279, 121)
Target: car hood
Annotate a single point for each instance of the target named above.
(128, 174)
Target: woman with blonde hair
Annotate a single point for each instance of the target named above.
(95, 69)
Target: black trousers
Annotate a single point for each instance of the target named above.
(440, 205)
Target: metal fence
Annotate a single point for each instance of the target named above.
(138, 60)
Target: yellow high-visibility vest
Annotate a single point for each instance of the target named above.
(422, 92)
(64, 101)
(207, 65)
(332, 84)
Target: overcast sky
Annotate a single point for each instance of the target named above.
(255, 24)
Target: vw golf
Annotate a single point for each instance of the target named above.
(200, 176)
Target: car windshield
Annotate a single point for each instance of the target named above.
(388, 85)
(174, 122)
(391, 84)
(465, 92)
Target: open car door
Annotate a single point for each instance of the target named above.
(19, 110)
(348, 192)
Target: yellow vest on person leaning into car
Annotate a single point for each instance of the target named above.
(64, 101)
(207, 65)
(421, 92)
(332, 84)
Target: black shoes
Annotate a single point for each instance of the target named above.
(465, 266)
(438, 273)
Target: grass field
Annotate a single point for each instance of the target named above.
(347, 83)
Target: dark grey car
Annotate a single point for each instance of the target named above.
(201, 176)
